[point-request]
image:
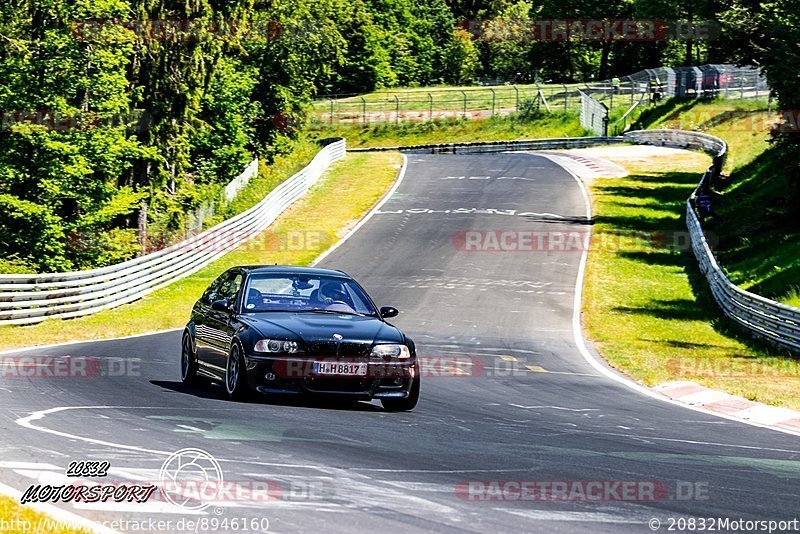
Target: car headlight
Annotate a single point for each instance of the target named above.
(274, 345)
(390, 351)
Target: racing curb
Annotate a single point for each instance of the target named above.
(713, 400)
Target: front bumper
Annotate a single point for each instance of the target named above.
(295, 376)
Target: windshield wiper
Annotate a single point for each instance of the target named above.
(334, 312)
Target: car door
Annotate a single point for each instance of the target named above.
(220, 325)
(200, 319)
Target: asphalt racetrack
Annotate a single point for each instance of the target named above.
(509, 404)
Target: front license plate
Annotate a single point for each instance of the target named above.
(340, 368)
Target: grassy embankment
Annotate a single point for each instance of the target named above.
(647, 305)
(453, 130)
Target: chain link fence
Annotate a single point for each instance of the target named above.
(619, 95)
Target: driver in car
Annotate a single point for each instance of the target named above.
(333, 296)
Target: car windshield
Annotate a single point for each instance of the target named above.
(304, 293)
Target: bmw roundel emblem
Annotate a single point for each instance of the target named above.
(337, 337)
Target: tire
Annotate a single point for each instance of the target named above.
(403, 405)
(236, 376)
(188, 361)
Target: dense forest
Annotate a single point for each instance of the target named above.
(117, 108)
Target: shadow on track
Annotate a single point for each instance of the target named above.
(212, 390)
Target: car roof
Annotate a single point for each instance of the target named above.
(289, 269)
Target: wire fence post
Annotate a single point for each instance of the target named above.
(538, 96)
(632, 87)
(332, 105)
(494, 99)
(516, 92)
(464, 112)
(397, 110)
(741, 86)
(430, 111)
(565, 96)
(363, 110)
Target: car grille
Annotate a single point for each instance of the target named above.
(346, 349)
(340, 385)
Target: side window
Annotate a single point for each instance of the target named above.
(208, 296)
(230, 286)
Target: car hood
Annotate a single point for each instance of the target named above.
(311, 328)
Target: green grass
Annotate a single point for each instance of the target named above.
(302, 233)
(455, 131)
(503, 98)
(648, 308)
(793, 298)
(22, 520)
(731, 120)
(757, 230)
(449, 98)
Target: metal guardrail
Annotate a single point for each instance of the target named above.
(238, 183)
(487, 147)
(594, 115)
(26, 299)
(778, 323)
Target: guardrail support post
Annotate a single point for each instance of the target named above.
(143, 228)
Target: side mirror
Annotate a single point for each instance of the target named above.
(221, 305)
(388, 311)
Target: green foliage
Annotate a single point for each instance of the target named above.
(461, 58)
(26, 226)
(530, 109)
(766, 34)
(107, 108)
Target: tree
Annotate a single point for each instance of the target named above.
(461, 58)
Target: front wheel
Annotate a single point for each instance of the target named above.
(403, 405)
(188, 361)
(236, 375)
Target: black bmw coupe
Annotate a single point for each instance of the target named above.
(292, 330)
